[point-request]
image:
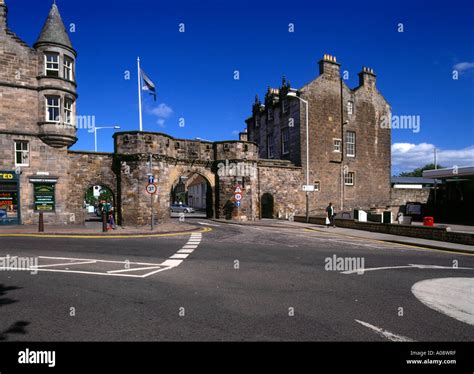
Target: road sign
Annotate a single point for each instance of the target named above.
(308, 187)
(151, 179)
(238, 190)
(151, 189)
(238, 196)
(237, 203)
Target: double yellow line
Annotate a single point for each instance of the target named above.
(132, 236)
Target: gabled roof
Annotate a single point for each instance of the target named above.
(53, 31)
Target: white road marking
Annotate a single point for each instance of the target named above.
(208, 224)
(92, 259)
(64, 264)
(409, 266)
(132, 269)
(385, 333)
(180, 255)
(186, 250)
(173, 261)
(451, 296)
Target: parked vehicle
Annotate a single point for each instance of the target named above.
(176, 208)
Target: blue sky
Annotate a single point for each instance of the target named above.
(194, 70)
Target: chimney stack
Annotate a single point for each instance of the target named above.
(329, 67)
(367, 77)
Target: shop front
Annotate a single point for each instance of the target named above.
(9, 198)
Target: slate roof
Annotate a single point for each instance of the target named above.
(53, 30)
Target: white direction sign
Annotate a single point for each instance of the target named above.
(151, 189)
(308, 187)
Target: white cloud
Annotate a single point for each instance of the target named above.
(161, 122)
(161, 112)
(235, 132)
(463, 66)
(409, 156)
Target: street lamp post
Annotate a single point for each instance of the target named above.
(293, 94)
(100, 128)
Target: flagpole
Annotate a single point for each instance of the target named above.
(139, 94)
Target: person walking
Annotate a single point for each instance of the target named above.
(330, 215)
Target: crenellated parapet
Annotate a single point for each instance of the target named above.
(166, 146)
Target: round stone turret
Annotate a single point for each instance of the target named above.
(56, 83)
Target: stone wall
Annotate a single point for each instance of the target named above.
(18, 84)
(401, 196)
(88, 169)
(421, 232)
(43, 159)
(284, 182)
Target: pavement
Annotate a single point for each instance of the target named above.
(434, 244)
(233, 283)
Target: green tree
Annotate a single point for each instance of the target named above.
(418, 172)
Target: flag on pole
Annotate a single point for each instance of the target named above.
(149, 85)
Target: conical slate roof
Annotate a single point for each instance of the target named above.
(53, 30)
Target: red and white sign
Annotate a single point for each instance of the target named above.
(238, 189)
(238, 196)
(151, 188)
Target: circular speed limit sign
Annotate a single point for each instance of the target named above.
(238, 196)
(151, 189)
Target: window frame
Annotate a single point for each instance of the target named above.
(285, 106)
(339, 149)
(349, 178)
(22, 152)
(350, 107)
(350, 144)
(46, 62)
(270, 146)
(317, 186)
(48, 119)
(69, 69)
(257, 121)
(68, 112)
(270, 114)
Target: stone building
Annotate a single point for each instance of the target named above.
(39, 173)
(349, 151)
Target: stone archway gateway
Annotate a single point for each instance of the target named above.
(195, 191)
(173, 158)
(94, 199)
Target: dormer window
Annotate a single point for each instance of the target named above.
(68, 68)
(51, 64)
(53, 109)
(270, 114)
